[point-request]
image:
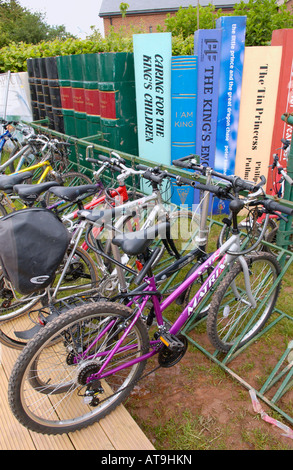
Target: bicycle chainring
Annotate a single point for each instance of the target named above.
(168, 358)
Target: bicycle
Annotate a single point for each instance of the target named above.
(32, 147)
(111, 277)
(101, 349)
(74, 271)
(278, 188)
(152, 209)
(7, 135)
(10, 202)
(253, 225)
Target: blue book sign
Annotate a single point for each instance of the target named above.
(183, 118)
(207, 48)
(231, 69)
(152, 65)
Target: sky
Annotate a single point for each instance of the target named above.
(76, 16)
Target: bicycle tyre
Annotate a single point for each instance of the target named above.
(39, 360)
(23, 319)
(11, 167)
(3, 211)
(230, 320)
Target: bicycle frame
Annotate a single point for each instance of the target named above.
(3, 138)
(226, 259)
(48, 168)
(118, 227)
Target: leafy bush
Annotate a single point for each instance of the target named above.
(263, 17)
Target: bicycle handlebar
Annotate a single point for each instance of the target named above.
(238, 183)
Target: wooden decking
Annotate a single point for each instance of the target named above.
(118, 431)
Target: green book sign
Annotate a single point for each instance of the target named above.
(152, 62)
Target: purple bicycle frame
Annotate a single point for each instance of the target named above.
(159, 309)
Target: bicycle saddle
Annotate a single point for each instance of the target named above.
(70, 193)
(32, 191)
(134, 243)
(8, 181)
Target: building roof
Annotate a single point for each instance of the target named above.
(112, 7)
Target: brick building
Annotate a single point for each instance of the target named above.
(147, 15)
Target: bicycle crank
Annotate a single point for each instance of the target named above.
(173, 350)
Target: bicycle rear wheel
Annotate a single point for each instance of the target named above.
(52, 388)
(231, 319)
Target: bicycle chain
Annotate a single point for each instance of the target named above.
(136, 381)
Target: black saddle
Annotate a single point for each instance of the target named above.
(30, 192)
(134, 243)
(71, 193)
(8, 181)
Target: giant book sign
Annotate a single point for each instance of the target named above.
(183, 119)
(257, 111)
(282, 130)
(152, 63)
(207, 44)
(231, 68)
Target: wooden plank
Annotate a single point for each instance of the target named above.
(12, 435)
(116, 431)
(123, 431)
(40, 441)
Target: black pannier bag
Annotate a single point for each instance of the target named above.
(33, 243)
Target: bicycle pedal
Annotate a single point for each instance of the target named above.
(171, 342)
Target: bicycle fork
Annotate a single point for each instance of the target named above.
(251, 300)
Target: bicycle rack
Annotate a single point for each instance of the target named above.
(280, 380)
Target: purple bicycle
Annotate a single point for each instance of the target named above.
(86, 362)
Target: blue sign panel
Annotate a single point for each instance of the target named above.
(231, 69)
(183, 118)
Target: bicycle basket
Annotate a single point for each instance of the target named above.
(33, 243)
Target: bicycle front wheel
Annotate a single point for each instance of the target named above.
(52, 389)
(231, 319)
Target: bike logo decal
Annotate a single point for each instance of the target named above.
(39, 279)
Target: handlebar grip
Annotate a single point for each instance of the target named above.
(273, 206)
(104, 158)
(150, 176)
(142, 167)
(97, 162)
(217, 190)
(185, 162)
(182, 164)
(246, 185)
(66, 144)
(183, 180)
(92, 160)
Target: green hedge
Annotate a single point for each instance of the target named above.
(14, 56)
